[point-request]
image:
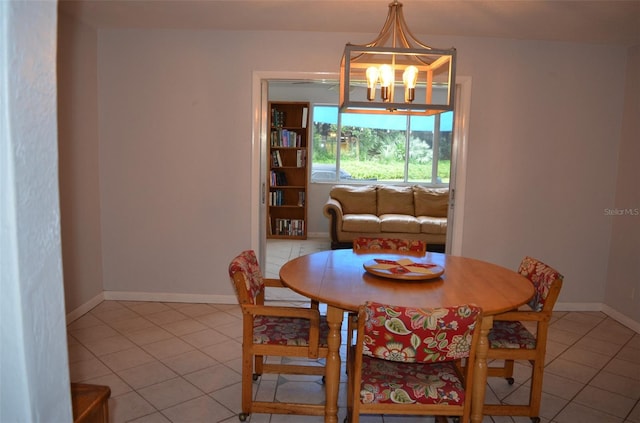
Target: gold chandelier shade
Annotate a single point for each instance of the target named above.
(396, 73)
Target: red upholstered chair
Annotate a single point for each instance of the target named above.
(389, 244)
(510, 340)
(382, 245)
(406, 361)
(275, 331)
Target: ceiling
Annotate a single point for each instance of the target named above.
(590, 21)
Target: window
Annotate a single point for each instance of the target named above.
(350, 147)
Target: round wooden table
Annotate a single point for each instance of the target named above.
(338, 279)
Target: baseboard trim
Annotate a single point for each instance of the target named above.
(621, 318)
(579, 307)
(85, 308)
(167, 297)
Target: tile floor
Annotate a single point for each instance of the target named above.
(177, 362)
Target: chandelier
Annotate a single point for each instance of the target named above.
(396, 73)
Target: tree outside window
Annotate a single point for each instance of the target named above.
(351, 147)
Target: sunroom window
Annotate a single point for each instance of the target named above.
(360, 148)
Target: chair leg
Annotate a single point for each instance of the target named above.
(536, 390)
(508, 371)
(247, 385)
(258, 369)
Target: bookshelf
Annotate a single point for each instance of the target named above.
(287, 170)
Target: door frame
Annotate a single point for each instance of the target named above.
(259, 131)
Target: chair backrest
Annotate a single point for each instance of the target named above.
(427, 335)
(546, 281)
(389, 244)
(246, 277)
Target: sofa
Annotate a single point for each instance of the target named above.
(387, 211)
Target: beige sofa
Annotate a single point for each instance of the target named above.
(387, 211)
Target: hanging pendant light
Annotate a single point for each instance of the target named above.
(396, 73)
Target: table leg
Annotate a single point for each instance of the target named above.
(332, 378)
(480, 371)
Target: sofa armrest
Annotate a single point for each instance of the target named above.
(333, 211)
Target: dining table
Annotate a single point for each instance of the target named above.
(340, 279)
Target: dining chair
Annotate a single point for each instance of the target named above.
(406, 361)
(510, 340)
(276, 332)
(382, 245)
(389, 244)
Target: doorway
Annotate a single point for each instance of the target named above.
(260, 98)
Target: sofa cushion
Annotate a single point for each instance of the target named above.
(359, 199)
(432, 225)
(431, 201)
(394, 199)
(399, 223)
(361, 223)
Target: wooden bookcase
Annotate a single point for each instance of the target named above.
(287, 170)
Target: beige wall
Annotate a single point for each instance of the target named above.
(175, 130)
(623, 276)
(78, 174)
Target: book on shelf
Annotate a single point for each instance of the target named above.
(301, 198)
(276, 198)
(285, 138)
(276, 159)
(301, 158)
(289, 227)
(277, 178)
(277, 118)
(305, 111)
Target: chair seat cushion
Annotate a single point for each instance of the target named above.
(385, 382)
(506, 334)
(286, 331)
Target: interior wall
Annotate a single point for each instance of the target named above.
(78, 171)
(623, 276)
(175, 151)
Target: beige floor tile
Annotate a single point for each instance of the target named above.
(156, 417)
(87, 369)
(189, 362)
(618, 384)
(224, 351)
(200, 409)
(146, 374)
(586, 357)
(149, 335)
(168, 348)
(165, 317)
(128, 407)
(213, 378)
(204, 338)
(169, 393)
(605, 401)
(109, 345)
(134, 324)
(144, 308)
(126, 359)
(571, 370)
(184, 327)
(575, 413)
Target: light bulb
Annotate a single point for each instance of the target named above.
(386, 79)
(410, 78)
(372, 80)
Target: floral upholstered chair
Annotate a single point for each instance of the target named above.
(275, 331)
(406, 361)
(510, 340)
(389, 244)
